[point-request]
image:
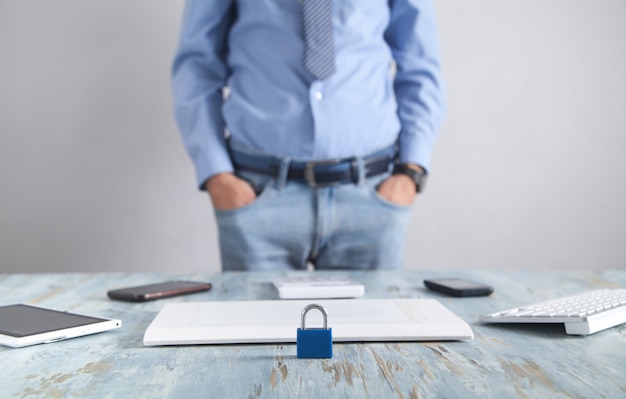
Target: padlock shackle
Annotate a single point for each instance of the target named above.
(314, 306)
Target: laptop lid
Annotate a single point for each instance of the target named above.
(352, 320)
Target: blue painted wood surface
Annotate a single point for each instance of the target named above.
(501, 362)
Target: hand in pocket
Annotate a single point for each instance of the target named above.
(229, 192)
(397, 189)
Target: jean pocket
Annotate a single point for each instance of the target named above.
(260, 184)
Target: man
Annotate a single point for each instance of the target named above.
(311, 125)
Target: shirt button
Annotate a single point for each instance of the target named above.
(319, 96)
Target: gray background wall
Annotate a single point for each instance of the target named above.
(529, 171)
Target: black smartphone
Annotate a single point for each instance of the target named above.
(156, 291)
(458, 287)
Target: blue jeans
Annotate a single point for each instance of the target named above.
(291, 226)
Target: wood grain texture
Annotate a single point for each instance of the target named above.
(501, 362)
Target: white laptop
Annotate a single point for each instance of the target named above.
(351, 320)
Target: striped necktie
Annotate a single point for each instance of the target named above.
(319, 51)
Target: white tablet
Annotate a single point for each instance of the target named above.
(24, 325)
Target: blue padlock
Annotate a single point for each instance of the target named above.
(314, 343)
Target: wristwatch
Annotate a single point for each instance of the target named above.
(418, 176)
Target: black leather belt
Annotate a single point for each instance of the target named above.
(317, 173)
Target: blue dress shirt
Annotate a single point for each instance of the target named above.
(238, 69)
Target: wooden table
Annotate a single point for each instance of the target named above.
(501, 362)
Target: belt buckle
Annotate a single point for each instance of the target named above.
(309, 172)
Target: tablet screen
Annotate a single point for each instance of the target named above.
(24, 320)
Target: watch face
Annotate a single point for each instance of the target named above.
(420, 181)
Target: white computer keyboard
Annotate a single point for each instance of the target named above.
(582, 314)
